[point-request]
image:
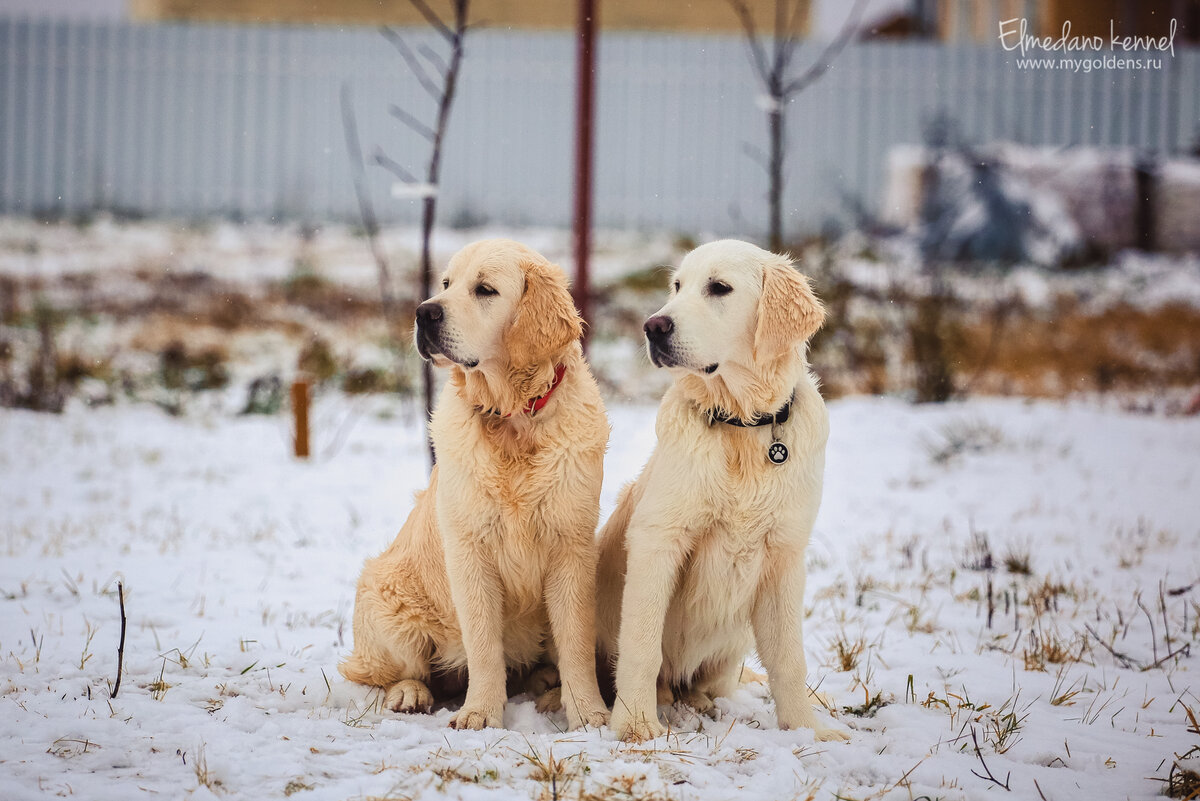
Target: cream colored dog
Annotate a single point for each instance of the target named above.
(707, 545)
(499, 551)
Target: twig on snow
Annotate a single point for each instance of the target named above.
(121, 644)
(987, 770)
(1125, 661)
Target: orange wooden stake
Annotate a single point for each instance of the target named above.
(300, 413)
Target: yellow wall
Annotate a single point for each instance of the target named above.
(1092, 17)
(969, 20)
(688, 15)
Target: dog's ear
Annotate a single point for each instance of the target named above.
(788, 311)
(546, 322)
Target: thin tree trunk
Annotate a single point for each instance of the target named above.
(772, 69)
(775, 168)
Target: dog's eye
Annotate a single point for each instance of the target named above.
(485, 291)
(445, 283)
(719, 288)
(676, 284)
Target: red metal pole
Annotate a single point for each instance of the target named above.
(584, 98)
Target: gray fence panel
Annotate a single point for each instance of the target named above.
(194, 120)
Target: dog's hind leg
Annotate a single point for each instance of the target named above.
(408, 660)
(405, 678)
(391, 650)
(402, 669)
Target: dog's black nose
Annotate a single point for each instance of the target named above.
(429, 313)
(659, 327)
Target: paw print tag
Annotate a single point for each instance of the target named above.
(777, 453)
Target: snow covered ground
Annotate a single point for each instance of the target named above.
(239, 564)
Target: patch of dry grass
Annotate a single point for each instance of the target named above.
(847, 651)
(1010, 347)
(1047, 647)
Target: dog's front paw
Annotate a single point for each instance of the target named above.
(409, 695)
(635, 726)
(831, 735)
(477, 717)
(807, 720)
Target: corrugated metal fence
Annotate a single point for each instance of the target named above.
(201, 119)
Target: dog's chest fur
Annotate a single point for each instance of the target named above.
(754, 513)
(709, 619)
(518, 479)
(520, 469)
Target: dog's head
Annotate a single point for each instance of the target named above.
(502, 307)
(733, 306)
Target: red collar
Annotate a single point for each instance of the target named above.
(536, 404)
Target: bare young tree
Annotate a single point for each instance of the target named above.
(438, 76)
(772, 58)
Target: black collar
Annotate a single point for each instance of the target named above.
(779, 416)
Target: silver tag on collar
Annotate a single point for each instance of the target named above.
(777, 452)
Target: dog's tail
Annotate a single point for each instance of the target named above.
(355, 668)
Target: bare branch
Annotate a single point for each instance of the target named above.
(757, 54)
(412, 122)
(365, 207)
(793, 25)
(778, 40)
(433, 19)
(433, 58)
(1183, 650)
(756, 155)
(790, 38)
(414, 64)
(830, 54)
(1153, 633)
(354, 151)
(1125, 660)
(986, 769)
(394, 167)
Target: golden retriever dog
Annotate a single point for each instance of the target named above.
(499, 551)
(706, 546)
